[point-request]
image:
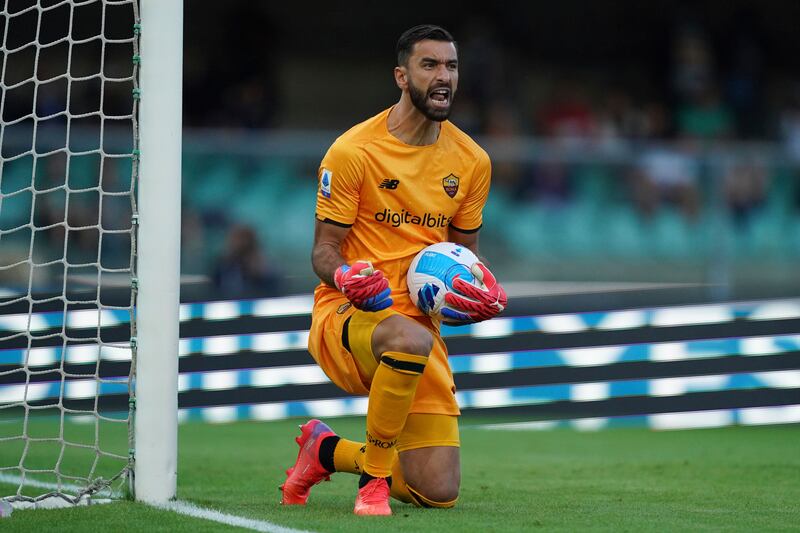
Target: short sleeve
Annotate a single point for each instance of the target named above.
(340, 176)
(469, 217)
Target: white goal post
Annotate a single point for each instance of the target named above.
(90, 218)
(158, 271)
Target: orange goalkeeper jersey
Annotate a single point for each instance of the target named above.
(398, 198)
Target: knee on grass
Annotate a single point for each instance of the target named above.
(434, 497)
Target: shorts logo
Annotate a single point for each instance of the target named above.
(344, 307)
(450, 184)
(389, 184)
(325, 182)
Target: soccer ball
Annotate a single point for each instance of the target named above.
(438, 265)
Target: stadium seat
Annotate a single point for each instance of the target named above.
(624, 233)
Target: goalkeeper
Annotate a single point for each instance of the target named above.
(402, 180)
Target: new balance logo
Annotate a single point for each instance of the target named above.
(389, 184)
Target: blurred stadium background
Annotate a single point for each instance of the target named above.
(644, 215)
(630, 142)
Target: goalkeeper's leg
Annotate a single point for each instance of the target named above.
(383, 353)
(400, 347)
(426, 472)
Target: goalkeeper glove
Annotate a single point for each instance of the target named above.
(470, 303)
(366, 288)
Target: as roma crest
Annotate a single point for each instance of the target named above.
(450, 184)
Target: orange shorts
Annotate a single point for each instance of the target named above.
(351, 370)
(423, 430)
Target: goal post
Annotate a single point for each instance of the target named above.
(158, 265)
(90, 211)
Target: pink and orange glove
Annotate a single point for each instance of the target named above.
(366, 288)
(479, 304)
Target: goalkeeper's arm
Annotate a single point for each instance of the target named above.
(326, 256)
(366, 288)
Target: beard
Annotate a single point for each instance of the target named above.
(420, 100)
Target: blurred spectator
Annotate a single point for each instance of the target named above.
(194, 246)
(82, 237)
(656, 121)
(790, 125)
(745, 185)
(620, 120)
(743, 88)
(543, 181)
(567, 115)
(248, 104)
(243, 269)
(547, 182)
(466, 114)
(790, 135)
(484, 76)
(116, 214)
(692, 63)
(502, 126)
(67, 224)
(667, 173)
(705, 117)
(231, 77)
(569, 121)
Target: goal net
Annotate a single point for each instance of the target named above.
(68, 222)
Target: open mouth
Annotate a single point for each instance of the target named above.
(440, 97)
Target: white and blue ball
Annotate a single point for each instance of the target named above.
(438, 265)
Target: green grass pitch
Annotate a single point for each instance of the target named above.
(727, 479)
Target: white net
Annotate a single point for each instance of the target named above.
(68, 167)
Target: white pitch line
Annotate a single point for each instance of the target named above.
(35, 483)
(190, 509)
(180, 507)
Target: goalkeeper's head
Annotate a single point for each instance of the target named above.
(427, 68)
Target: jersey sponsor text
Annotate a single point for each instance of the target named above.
(428, 220)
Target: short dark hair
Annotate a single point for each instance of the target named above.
(410, 37)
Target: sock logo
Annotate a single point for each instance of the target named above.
(380, 443)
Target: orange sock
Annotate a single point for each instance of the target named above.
(348, 456)
(390, 396)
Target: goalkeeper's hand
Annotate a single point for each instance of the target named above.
(472, 304)
(366, 288)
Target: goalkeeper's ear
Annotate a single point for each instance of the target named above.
(401, 77)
